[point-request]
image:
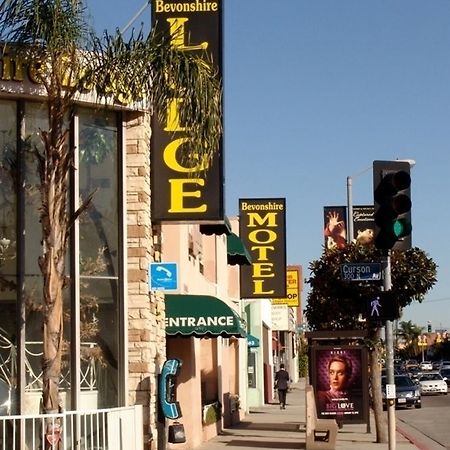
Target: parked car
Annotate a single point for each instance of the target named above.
(436, 365)
(432, 383)
(411, 363)
(414, 373)
(426, 365)
(445, 365)
(445, 373)
(408, 393)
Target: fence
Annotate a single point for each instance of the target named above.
(105, 429)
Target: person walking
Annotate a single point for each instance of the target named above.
(281, 383)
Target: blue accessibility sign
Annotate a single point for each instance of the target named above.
(163, 276)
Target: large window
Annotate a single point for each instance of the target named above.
(94, 259)
(8, 260)
(99, 250)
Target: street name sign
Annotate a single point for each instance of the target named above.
(361, 271)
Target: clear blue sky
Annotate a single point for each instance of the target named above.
(315, 90)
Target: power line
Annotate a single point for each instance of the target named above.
(128, 25)
(435, 300)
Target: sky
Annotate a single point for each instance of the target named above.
(314, 92)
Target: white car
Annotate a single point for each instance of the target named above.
(432, 383)
(426, 365)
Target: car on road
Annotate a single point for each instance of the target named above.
(432, 383)
(444, 365)
(407, 392)
(426, 365)
(445, 373)
(436, 365)
(414, 373)
(411, 363)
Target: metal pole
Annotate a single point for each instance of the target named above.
(349, 210)
(387, 285)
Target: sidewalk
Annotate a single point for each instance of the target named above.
(268, 427)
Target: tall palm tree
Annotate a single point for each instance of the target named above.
(72, 59)
(409, 333)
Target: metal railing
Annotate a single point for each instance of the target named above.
(105, 429)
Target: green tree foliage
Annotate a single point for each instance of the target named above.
(335, 304)
(408, 333)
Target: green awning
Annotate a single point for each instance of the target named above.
(252, 341)
(218, 228)
(201, 315)
(237, 252)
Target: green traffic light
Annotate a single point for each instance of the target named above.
(401, 228)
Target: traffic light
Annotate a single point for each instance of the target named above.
(392, 202)
(429, 327)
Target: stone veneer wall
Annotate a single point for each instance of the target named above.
(146, 330)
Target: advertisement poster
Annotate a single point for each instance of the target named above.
(363, 224)
(335, 227)
(340, 382)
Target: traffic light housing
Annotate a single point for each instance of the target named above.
(382, 307)
(392, 202)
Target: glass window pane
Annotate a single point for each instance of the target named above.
(99, 251)
(8, 260)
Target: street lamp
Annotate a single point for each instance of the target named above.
(350, 203)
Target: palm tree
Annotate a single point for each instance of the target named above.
(73, 60)
(410, 333)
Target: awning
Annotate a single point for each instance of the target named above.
(237, 252)
(252, 341)
(218, 228)
(201, 316)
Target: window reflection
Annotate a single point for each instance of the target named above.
(98, 260)
(8, 260)
(99, 245)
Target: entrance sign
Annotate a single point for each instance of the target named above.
(361, 272)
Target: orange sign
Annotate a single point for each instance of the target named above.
(293, 288)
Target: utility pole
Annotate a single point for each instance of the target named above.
(390, 385)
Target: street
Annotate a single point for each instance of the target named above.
(432, 420)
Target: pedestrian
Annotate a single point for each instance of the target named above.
(281, 383)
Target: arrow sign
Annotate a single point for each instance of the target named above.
(361, 271)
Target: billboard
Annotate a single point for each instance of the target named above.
(262, 229)
(181, 190)
(336, 225)
(340, 381)
(363, 224)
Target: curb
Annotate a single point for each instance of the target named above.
(411, 439)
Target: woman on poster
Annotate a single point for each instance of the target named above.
(339, 374)
(339, 401)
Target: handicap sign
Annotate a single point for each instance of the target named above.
(163, 276)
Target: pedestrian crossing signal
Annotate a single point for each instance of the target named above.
(382, 307)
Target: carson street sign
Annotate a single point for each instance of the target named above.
(361, 271)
